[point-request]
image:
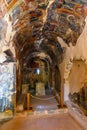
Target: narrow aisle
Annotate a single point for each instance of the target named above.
(45, 102)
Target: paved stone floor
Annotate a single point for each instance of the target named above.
(55, 121)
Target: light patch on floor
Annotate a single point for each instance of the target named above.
(56, 120)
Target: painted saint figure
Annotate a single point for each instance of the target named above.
(6, 88)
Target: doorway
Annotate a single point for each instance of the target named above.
(37, 77)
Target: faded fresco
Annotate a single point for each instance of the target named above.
(57, 18)
(7, 87)
(8, 1)
(50, 19)
(3, 26)
(36, 25)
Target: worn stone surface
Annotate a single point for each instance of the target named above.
(47, 122)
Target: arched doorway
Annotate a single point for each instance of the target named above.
(37, 79)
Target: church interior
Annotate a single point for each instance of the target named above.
(43, 64)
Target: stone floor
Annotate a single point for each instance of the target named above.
(47, 102)
(53, 120)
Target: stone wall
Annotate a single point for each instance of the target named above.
(77, 52)
(78, 76)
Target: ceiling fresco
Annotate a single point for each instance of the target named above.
(37, 24)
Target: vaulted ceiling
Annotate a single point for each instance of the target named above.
(38, 23)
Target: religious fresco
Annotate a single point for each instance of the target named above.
(8, 1)
(3, 26)
(7, 87)
(16, 13)
(65, 19)
(40, 22)
(7, 76)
